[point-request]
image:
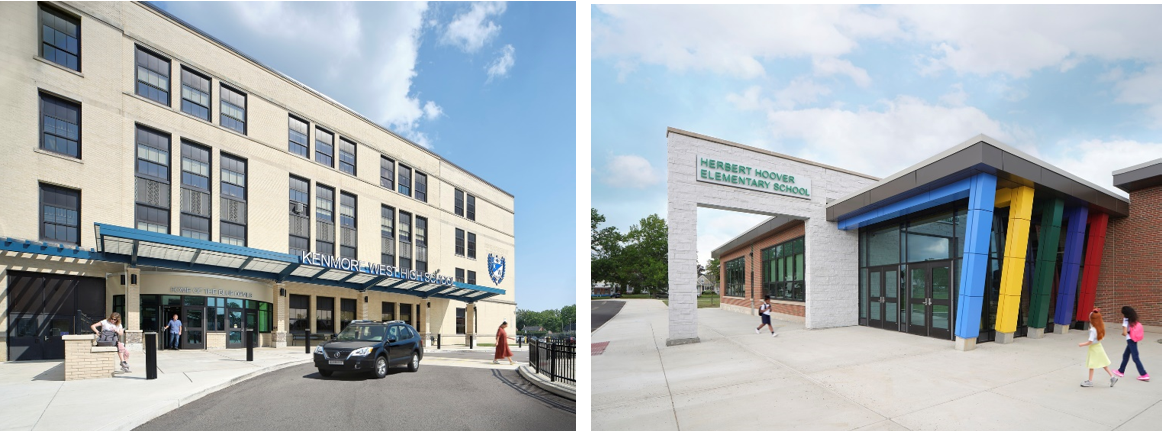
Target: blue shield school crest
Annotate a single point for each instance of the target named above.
(496, 268)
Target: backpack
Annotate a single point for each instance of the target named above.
(107, 339)
(1137, 332)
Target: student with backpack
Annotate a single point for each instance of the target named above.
(1096, 357)
(111, 334)
(765, 312)
(1134, 333)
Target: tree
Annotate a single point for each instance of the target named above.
(568, 314)
(712, 270)
(648, 253)
(606, 252)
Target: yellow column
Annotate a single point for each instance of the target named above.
(279, 331)
(1020, 202)
(469, 321)
(131, 321)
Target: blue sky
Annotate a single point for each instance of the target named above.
(868, 88)
(489, 86)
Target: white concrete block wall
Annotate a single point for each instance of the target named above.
(831, 254)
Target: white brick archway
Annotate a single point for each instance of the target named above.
(831, 254)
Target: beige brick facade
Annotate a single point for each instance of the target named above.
(111, 111)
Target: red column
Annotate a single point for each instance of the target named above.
(1093, 252)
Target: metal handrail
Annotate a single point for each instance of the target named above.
(554, 359)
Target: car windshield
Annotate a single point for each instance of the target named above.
(362, 333)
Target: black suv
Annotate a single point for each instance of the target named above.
(370, 346)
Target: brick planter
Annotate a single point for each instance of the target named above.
(85, 361)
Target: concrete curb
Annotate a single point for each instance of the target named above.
(166, 407)
(544, 383)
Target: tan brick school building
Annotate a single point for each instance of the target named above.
(152, 170)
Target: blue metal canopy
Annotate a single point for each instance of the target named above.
(138, 247)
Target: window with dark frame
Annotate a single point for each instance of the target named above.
(471, 277)
(460, 275)
(299, 313)
(405, 241)
(297, 140)
(783, 270)
(324, 314)
(346, 312)
(471, 207)
(233, 188)
(325, 220)
(388, 311)
(349, 238)
(459, 242)
(458, 205)
(459, 320)
(346, 156)
(405, 180)
(60, 37)
(233, 109)
(421, 187)
(60, 125)
(421, 244)
(300, 216)
(152, 76)
(153, 152)
(324, 147)
(471, 245)
(195, 94)
(387, 173)
(60, 214)
(735, 271)
(195, 208)
(387, 235)
(405, 314)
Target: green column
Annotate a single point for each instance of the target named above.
(1046, 262)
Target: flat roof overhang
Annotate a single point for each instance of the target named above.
(1139, 176)
(758, 231)
(981, 154)
(138, 247)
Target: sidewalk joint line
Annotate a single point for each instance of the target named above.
(673, 408)
(54, 394)
(1136, 415)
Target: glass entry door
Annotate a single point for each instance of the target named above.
(194, 331)
(930, 291)
(883, 297)
(234, 327)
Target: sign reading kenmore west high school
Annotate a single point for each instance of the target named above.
(316, 259)
(753, 177)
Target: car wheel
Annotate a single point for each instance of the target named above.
(325, 373)
(414, 364)
(380, 367)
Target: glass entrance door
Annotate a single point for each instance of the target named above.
(194, 331)
(883, 297)
(235, 325)
(929, 302)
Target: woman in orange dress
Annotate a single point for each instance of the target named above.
(502, 351)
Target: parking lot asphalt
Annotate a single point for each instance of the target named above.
(432, 398)
(602, 311)
(483, 353)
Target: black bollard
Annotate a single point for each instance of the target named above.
(249, 345)
(150, 355)
(437, 341)
(471, 340)
(307, 341)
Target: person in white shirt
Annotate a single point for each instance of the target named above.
(765, 312)
(113, 323)
(1130, 324)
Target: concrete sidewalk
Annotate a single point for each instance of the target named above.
(855, 378)
(34, 395)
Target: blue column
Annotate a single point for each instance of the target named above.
(974, 263)
(1071, 263)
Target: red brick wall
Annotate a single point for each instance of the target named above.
(1131, 272)
(755, 292)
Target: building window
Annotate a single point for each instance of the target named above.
(233, 200)
(421, 244)
(347, 226)
(297, 137)
(265, 317)
(324, 147)
(471, 277)
(471, 245)
(325, 224)
(459, 203)
(421, 187)
(387, 173)
(388, 311)
(471, 207)
(735, 271)
(152, 211)
(405, 314)
(459, 242)
(299, 313)
(324, 314)
(346, 312)
(300, 216)
(783, 275)
(60, 126)
(195, 94)
(60, 214)
(195, 208)
(387, 235)
(460, 275)
(60, 38)
(233, 109)
(405, 180)
(346, 156)
(459, 320)
(405, 241)
(152, 76)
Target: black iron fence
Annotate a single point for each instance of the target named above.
(555, 359)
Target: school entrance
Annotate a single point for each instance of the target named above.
(916, 298)
(44, 307)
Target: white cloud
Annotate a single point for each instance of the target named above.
(800, 91)
(1095, 160)
(499, 67)
(630, 171)
(474, 28)
(955, 97)
(432, 111)
(716, 227)
(749, 100)
(833, 66)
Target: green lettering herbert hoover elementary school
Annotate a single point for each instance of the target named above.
(725, 172)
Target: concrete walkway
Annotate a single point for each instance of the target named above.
(854, 378)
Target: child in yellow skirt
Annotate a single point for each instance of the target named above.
(1096, 358)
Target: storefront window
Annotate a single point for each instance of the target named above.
(346, 312)
(783, 270)
(405, 313)
(883, 246)
(324, 314)
(460, 320)
(735, 277)
(299, 313)
(388, 311)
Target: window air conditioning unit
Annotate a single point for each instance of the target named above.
(298, 208)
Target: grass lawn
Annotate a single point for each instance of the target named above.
(704, 301)
(485, 344)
